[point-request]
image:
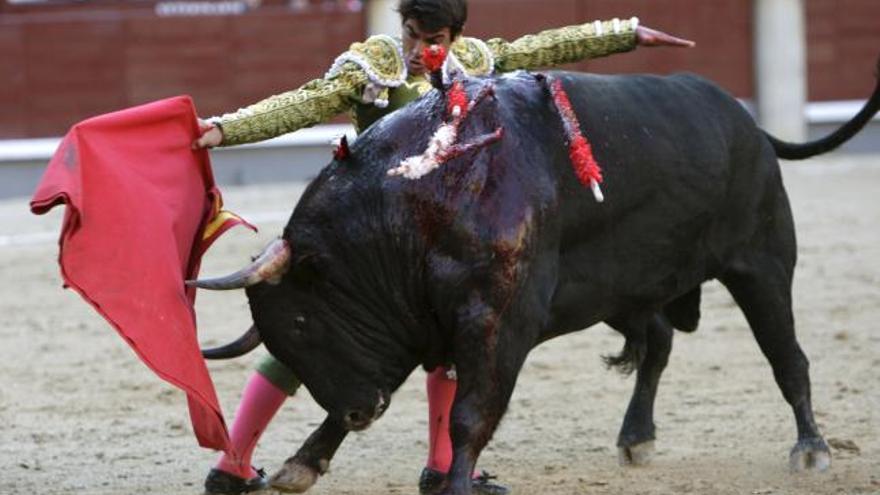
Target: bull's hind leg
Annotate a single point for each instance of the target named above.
(635, 443)
(761, 285)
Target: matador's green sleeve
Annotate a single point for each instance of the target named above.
(363, 74)
(547, 48)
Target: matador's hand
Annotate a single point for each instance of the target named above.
(646, 36)
(211, 136)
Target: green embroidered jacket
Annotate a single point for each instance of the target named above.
(371, 79)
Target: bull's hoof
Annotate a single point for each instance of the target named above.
(639, 454)
(294, 477)
(810, 454)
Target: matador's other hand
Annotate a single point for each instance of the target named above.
(211, 135)
(646, 36)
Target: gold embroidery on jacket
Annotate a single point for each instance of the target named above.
(370, 71)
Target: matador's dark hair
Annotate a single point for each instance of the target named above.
(434, 15)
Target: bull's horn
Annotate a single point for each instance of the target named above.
(243, 345)
(270, 265)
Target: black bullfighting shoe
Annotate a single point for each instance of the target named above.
(222, 483)
(430, 481)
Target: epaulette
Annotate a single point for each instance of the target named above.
(381, 58)
(472, 56)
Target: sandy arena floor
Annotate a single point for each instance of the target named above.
(79, 414)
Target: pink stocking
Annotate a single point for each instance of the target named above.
(441, 393)
(259, 402)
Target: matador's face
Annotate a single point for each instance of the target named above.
(415, 40)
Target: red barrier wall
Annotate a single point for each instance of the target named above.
(61, 65)
(61, 62)
(843, 45)
(728, 62)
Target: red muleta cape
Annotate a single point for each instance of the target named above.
(142, 208)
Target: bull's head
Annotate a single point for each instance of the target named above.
(306, 332)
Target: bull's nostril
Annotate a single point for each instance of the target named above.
(355, 418)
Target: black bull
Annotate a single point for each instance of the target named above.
(502, 248)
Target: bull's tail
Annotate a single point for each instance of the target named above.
(635, 348)
(241, 346)
(795, 151)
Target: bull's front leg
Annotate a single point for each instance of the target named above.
(487, 361)
(301, 471)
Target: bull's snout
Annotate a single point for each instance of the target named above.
(356, 420)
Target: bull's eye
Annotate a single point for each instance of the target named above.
(299, 326)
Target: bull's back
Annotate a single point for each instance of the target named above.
(672, 151)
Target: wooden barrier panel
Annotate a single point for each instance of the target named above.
(721, 28)
(843, 45)
(13, 80)
(62, 63)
